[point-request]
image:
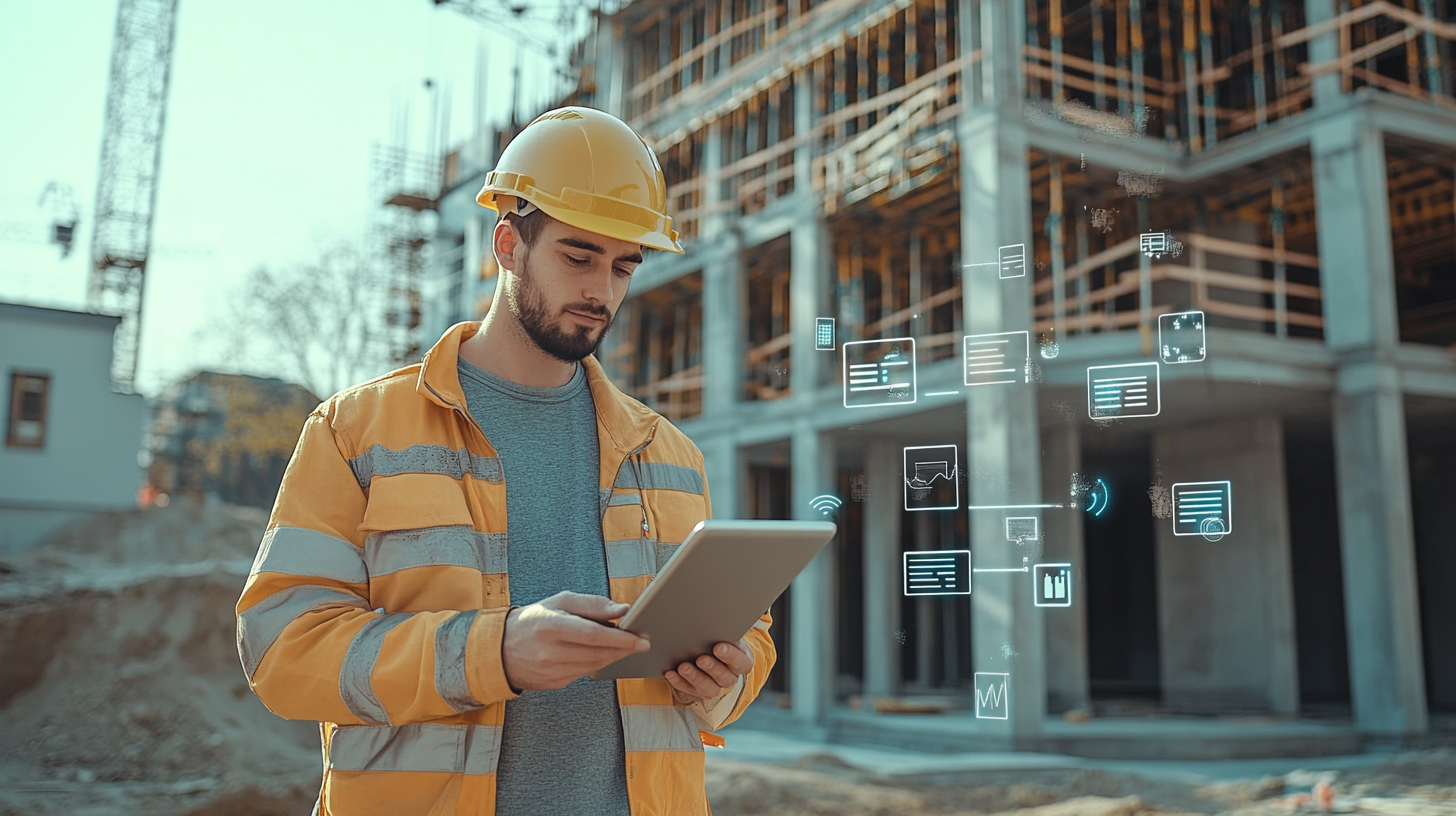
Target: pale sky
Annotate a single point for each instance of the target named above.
(274, 105)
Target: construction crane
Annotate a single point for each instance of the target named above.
(126, 186)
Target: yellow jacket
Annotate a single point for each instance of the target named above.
(378, 599)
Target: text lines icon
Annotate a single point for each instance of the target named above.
(1128, 390)
(824, 334)
(938, 572)
(996, 359)
(1203, 509)
(1012, 260)
(930, 478)
(991, 695)
(1182, 338)
(1051, 584)
(879, 372)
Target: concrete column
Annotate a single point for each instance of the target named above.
(882, 568)
(808, 253)
(1357, 272)
(1323, 48)
(1062, 543)
(725, 476)
(1226, 607)
(1002, 433)
(722, 327)
(813, 633)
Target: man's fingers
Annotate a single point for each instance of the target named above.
(701, 684)
(578, 631)
(737, 658)
(720, 673)
(591, 607)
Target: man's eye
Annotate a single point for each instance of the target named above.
(621, 271)
(577, 261)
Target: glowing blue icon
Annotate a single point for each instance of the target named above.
(824, 334)
(1203, 509)
(937, 572)
(991, 696)
(879, 372)
(1181, 337)
(1127, 390)
(931, 481)
(1052, 584)
(826, 505)
(1099, 497)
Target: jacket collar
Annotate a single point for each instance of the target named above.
(628, 422)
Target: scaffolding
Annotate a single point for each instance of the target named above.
(405, 186)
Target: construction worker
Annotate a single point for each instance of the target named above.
(450, 539)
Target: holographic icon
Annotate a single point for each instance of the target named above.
(824, 334)
(992, 702)
(1182, 337)
(1051, 584)
(997, 359)
(826, 505)
(1012, 260)
(938, 572)
(1127, 390)
(1203, 509)
(931, 481)
(879, 372)
(1022, 528)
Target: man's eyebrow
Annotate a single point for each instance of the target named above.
(577, 243)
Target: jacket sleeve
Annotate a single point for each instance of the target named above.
(764, 656)
(311, 643)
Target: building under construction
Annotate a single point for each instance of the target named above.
(933, 172)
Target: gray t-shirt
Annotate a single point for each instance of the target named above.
(561, 751)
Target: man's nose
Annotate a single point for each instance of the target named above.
(598, 287)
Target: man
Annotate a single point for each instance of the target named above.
(449, 540)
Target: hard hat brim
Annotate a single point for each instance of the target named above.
(593, 213)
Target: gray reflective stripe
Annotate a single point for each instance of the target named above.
(604, 496)
(450, 682)
(381, 461)
(300, 551)
(631, 557)
(355, 683)
(759, 624)
(661, 476)
(265, 620)
(451, 546)
(659, 728)
(625, 498)
(461, 749)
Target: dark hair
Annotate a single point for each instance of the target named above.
(528, 226)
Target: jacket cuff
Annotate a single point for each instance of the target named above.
(484, 665)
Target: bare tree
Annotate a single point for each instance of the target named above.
(322, 324)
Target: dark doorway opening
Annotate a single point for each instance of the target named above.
(1314, 550)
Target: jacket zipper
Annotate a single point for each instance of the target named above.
(634, 457)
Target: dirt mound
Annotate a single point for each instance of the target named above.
(121, 690)
(184, 532)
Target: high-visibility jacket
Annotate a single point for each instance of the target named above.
(379, 595)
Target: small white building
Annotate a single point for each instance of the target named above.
(71, 442)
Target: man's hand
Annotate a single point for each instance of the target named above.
(554, 641)
(711, 675)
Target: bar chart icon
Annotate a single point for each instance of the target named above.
(1203, 509)
(879, 372)
(938, 572)
(997, 359)
(1128, 390)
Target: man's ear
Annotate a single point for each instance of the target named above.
(503, 243)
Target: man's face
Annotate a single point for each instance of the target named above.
(567, 287)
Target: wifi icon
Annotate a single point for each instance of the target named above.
(826, 505)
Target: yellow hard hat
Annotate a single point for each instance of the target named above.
(588, 169)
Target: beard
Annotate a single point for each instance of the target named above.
(528, 304)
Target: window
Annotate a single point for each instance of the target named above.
(27, 422)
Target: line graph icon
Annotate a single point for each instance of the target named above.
(931, 481)
(992, 702)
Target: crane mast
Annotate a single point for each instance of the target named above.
(131, 153)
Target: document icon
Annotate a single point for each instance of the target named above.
(938, 572)
(1012, 260)
(1129, 390)
(879, 372)
(991, 702)
(994, 359)
(930, 478)
(1203, 508)
(1181, 337)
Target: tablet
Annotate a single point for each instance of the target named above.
(713, 589)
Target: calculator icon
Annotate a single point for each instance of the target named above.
(824, 334)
